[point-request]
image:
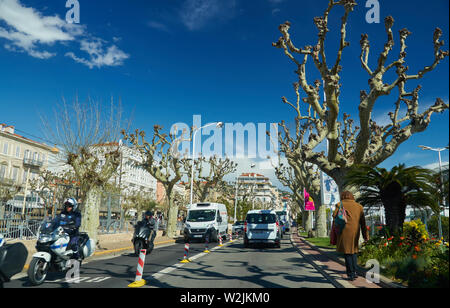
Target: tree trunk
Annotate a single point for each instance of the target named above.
(91, 213)
(172, 219)
(321, 221)
(307, 223)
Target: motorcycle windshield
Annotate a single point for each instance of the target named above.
(48, 227)
(142, 229)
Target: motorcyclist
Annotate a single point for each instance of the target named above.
(70, 221)
(151, 222)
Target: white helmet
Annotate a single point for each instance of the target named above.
(71, 202)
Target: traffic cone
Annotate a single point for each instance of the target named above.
(230, 235)
(186, 253)
(206, 243)
(220, 241)
(138, 281)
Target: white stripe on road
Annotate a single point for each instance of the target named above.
(169, 269)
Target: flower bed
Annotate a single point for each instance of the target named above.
(412, 257)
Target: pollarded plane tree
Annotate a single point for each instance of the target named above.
(318, 120)
(210, 177)
(88, 137)
(304, 176)
(161, 159)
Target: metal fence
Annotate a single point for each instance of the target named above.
(19, 229)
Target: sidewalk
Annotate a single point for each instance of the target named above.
(332, 265)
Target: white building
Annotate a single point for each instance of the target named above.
(132, 176)
(257, 188)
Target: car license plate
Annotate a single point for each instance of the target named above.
(198, 235)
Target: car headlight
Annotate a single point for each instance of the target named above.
(210, 226)
(187, 226)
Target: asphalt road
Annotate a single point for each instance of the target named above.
(230, 266)
(234, 266)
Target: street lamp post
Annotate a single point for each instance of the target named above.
(218, 125)
(235, 200)
(439, 150)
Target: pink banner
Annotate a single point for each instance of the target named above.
(309, 202)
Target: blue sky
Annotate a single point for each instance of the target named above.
(169, 60)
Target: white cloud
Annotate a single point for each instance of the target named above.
(27, 30)
(158, 26)
(435, 166)
(196, 14)
(98, 57)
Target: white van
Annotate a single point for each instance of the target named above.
(203, 217)
(262, 226)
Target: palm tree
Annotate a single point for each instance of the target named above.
(395, 190)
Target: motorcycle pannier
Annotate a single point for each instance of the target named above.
(12, 259)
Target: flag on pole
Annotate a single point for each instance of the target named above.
(309, 202)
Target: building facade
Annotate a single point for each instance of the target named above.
(257, 188)
(21, 160)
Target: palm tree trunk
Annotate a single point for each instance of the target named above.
(395, 215)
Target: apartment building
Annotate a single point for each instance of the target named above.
(21, 160)
(257, 188)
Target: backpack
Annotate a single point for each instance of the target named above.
(339, 223)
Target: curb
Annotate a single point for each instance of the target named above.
(335, 280)
(384, 281)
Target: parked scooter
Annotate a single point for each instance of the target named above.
(52, 255)
(141, 237)
(12, 260)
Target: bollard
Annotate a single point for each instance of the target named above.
(138, 281)
(186, 253)
(206, 243)
(220, 241)
(230, 235)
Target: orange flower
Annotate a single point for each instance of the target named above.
(417, 248)
(402, 238)
(414, 257)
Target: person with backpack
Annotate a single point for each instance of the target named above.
(349, 215)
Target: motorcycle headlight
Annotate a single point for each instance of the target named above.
(45, 238)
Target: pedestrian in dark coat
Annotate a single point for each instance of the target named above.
(348, 240)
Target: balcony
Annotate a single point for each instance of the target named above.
(33, 162)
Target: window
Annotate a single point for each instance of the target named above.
(15, 173)
(5, 149)
(26, 154)
(262, 218)
(24, 179)
(2, 171)
(18, 151)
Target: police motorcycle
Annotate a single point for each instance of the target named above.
(141, 237)
(52, 253)
(12, 259)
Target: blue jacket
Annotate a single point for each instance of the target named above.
(71, 222)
